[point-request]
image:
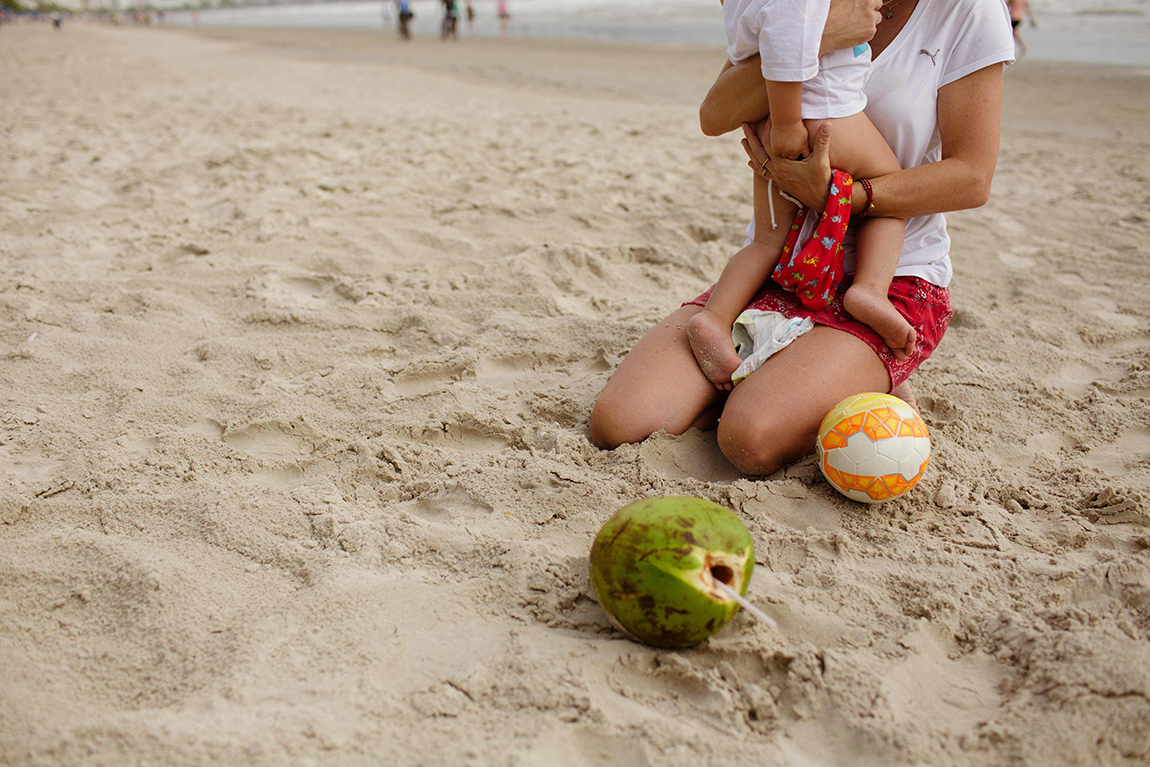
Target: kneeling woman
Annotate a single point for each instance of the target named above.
(935, 93)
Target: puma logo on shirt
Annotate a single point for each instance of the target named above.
(925, 52)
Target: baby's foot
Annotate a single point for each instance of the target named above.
(879, 313)
(715, 351)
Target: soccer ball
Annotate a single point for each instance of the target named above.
(873, 447)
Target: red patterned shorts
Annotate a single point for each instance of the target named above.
(924, 305)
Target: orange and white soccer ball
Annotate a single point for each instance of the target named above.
(873, 447)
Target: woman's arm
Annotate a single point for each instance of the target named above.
(738, 95)
(969, 121)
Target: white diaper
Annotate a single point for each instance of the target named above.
(758, 334)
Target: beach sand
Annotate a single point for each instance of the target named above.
(299, 335)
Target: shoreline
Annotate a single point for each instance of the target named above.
(1083, 38)
(617, 59)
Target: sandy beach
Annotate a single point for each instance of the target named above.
(299, 335)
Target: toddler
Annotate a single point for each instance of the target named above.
(803, 90)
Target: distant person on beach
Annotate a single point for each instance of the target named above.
(934, 92)
(386, 14)
(450, 19)
(470, 17)
(1020, 11)
(504, 17)
(405, 17)
(804, 90)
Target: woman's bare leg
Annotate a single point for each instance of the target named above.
(657, 386)
(905, 393)
(773, 417)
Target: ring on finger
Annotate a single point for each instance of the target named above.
(764, 165)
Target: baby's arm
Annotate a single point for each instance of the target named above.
(788, 134)
(738, 96)
(789, 38)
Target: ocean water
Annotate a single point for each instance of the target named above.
(1092, 31)
(690, 22)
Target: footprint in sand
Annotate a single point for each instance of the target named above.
(1017, 261)
(1130, 452)
(420, 379)
(301, 291)
(272, 441)
(1108, 310)
(567, 744)
(1113, 374)
(207, 427)
(13, 508)
(1077, 378)
(494, 371)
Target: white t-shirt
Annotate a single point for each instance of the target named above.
(943, 41)
(786, 34)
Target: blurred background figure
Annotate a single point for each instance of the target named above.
(1020, 10)
(504, 17)
(387, 12)
(405, 17)
(450, 16)
(470, 17)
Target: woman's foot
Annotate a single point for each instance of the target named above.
(714, 350)
(873, 308)
(906, 394)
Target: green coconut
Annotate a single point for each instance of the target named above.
(655, 563)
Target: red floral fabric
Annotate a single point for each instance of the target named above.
(814, 273)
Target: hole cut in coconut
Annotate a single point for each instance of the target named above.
(722, 579)
(723, 574)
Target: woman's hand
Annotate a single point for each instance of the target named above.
(850, 23)
(808, 181)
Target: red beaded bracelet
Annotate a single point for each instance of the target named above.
(869, 207)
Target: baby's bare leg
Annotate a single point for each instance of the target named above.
(860, 149)
(710, 330)
(878, 245)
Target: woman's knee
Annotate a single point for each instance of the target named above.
(761, 447)
(607, 428)
(618, 420)
(615, 421)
